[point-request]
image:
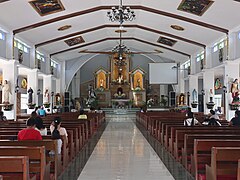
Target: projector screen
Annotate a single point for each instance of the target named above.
(163, 73)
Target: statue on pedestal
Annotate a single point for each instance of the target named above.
(235, 91)
(46, 97)
(6, 89)
(30, 95)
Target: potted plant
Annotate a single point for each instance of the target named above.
(46, 105)
(234, 106)
(210, 105)
(194, 104)
(7, 107)
(31, 106)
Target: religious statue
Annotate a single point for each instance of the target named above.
(91, 95)
(30, 95)
(138, 82)
(211, 95)
(194, 95)
(181, 99)
(101, 82)
(234, 88)
(46, 97)
(6, 89)
(120, 78)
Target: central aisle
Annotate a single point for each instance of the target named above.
(122, 153)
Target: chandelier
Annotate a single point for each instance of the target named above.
(121, 14)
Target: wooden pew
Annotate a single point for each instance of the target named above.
(15, 167)
(178, 144)
(224, 163)
(202, 153)
(188, 148)
(37, 161)
(49, 145)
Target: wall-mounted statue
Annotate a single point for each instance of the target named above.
(30, 95)
(6, 89)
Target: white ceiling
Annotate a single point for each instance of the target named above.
(16, 14)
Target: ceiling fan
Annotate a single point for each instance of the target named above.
(121, 48)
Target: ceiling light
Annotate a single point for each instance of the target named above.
(121, 14)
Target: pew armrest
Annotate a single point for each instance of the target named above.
(47, 171)
(209, 173)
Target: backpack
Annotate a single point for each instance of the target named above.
(56, 134)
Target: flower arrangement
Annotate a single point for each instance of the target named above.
(137, 89)
(116, 95)
(100, 89)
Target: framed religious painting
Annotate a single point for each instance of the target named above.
(197, 7)
(45, 7)
(74, 41)
(166, 41)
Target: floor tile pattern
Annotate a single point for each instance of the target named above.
(119, 151)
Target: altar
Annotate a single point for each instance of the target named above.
(120, 87)
(120, 103)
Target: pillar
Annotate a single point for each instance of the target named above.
(9, 46)
(193, 84)
(208, 83)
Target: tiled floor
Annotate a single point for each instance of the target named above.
(122, 153)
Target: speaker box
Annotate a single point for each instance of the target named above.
(172, 98)
(66, 109)
(67, 95)
(66, 102)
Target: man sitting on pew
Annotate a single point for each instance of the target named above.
(236, 120)
(29, 133)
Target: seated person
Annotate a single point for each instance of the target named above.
(236, 120)
(212, 120)
(39, 124)
(56, 136)
(2, 117)
(42, 111)
(92, 110)
(82, 115)
(191, 121)
(57, 124)
(213, 115)
(29, 133)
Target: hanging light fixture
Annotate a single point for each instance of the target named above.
(121, 14)
(120, 50)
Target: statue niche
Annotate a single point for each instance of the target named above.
(101, 80)
(137, 79)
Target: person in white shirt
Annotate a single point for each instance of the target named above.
(191, 121)
(56, 124)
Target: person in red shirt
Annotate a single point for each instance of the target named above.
(29, 133)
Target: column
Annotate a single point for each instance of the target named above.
(232, 46)
(9, 46)
(231, 72)
(63, 77)
(208, 57)
(47, 84)
(208, 83)
(193, 84)
(10, 73)
(58, 85)
(32, 79)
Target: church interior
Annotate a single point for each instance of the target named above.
(120, 82)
